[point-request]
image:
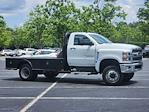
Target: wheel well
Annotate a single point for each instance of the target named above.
(108, 62)
(22, 63)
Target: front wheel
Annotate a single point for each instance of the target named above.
(26, 73)
(112, 76)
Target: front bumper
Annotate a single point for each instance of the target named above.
(131, 67)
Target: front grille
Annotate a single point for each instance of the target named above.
(137, 54)
(136, 50)
(137, 58)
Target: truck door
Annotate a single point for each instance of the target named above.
(81, 52)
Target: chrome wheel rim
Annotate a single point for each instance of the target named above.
(112, 76)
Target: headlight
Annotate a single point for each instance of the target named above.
(126, 56)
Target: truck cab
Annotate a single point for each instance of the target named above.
(96, 52)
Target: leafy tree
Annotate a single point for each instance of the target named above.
(128, 33)
(93, 18)
(48, 23)
(143, 15)
(5, 34)
(2, 22)
(52, 20)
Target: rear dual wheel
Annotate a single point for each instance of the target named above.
(51, 75)
(26, 73)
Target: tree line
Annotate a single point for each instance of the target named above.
(48, 23)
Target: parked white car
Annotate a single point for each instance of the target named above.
(7, 52)
(26, 51)
(41, 53)
(29, 51)
(20, 52)
(44, 51)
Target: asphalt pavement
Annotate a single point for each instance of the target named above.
(73, 93)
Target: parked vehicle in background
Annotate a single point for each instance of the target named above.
(40, 53)
(17, 52)
(146, 51)
(44, 51)
(20, 52)
(7, 52)
(29, 51)
(56, 53)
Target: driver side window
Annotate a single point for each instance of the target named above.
(82, 40)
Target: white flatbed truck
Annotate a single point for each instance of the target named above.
(84, 52)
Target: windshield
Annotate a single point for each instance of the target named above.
(100, 39)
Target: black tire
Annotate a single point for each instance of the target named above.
(51, 75)
(128, 77)
(26, 73)
(112, 76)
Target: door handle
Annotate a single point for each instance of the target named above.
(72, 48)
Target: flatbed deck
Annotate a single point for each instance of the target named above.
(46, 64)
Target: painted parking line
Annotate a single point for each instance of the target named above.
(4, 70)
(2, 58)
(138, 79)
(81, 87)
(145, 59)
(103, 87)
(92, 98)
(141, 75)
(71, 98)
(143, 71)
(9, 76)
(34, 87)
(40, 95)
(16, 98)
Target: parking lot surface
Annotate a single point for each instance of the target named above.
(73, 93)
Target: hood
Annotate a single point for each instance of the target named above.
(118, 46)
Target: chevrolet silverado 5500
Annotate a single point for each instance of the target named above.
(84, 52)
